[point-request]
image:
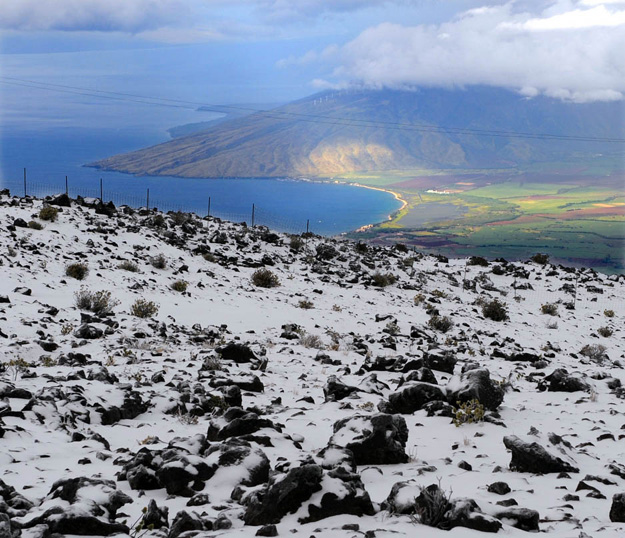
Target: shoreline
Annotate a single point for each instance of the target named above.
(364, 227)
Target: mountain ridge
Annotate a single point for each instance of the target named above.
(334, 133)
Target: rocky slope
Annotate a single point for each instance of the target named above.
(334, 133)
(334, 404)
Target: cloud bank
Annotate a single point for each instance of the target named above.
(569, 51)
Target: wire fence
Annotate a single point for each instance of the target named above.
(256, 216)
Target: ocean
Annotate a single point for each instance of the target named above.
(59, 146)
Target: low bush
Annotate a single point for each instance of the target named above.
(361, 248)
(311, 341)
(468, 412)
(34, 225)
(495, 310)
(296, 243)
(595, 352)
(144, 309)
(306, 304)
(608, 313)
(541, 259)
(477, 260)
(128, 266)
(380, 280)
(79, 271)
(264, 278)
(605, 331)
(550, 309)
(440, 323)
(180, 286)
(98, 302)
(48, 213)
(159, 261)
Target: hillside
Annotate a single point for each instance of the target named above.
(330, 134)
(374, 392)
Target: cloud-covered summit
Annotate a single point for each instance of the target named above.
(574, 54)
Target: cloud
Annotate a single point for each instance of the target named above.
(294, 10)
(553, 53)
(95, 15)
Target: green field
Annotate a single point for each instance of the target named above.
(575, 217)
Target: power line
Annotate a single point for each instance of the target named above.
(288, 115)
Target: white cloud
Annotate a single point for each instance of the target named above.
(98, 15)
(495, 46)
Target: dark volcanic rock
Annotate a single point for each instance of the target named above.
(155, 516)
(561, 381)
(284, 496)
(374, 440)
(413, 397)
(475, 384)
(466, 513)
(88, 332)
(244, 425)
(236, 352)
(617, 510)
(533, 458)
(61, 200)
(520, 518)
(132, 407)
(184, 522)
(334, 390)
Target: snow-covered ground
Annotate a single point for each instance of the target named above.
(118, 399)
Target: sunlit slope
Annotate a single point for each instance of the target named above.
(336, 133)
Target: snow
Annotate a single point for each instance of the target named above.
(37, 450)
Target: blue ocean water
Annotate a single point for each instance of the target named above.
(50, 152)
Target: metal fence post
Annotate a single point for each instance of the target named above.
(101, 195)
(147, 202)
(66, 187)
(208, 214)
(24, 182)
(253, 212)
(307, 225)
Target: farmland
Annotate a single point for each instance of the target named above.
(576, 217)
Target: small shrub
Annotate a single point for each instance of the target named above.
(477, 260)
(431, 506)
(11, 251)
(595, 352)
(128, 266)
(306, 304)
(180, 285)
(336, 308)
(440, 323)
(550, 309)
(179, 218)
(158, 221)
(79, 271)
(311, 341)
(98, 302)
(392, 328)
(264, 278)
(495, 310)
(361, 248)
(608, 313)
(400, 247)
(212, 364)
(381, 281)
(34, 225)
(605, 331)
(468, 412)
(144, 309)
(67, 329)
(498, 270)
(296, 243)
(439, 294)
(46, 361)
(159, 261)
(541, 259)
(210, 257)
(48, 213)
(418, 299)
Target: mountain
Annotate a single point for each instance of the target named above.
(334, 133)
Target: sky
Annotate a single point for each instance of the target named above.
(274, 51)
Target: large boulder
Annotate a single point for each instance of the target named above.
(312, 493)
(617, 510)
(412, 398)
(530, 457)
(520, 518)
(373, 439)
(82, 506)
(335, 390)
(475, 384)
(561, 381)
(237, 352)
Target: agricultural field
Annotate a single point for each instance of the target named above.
(575, 217)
